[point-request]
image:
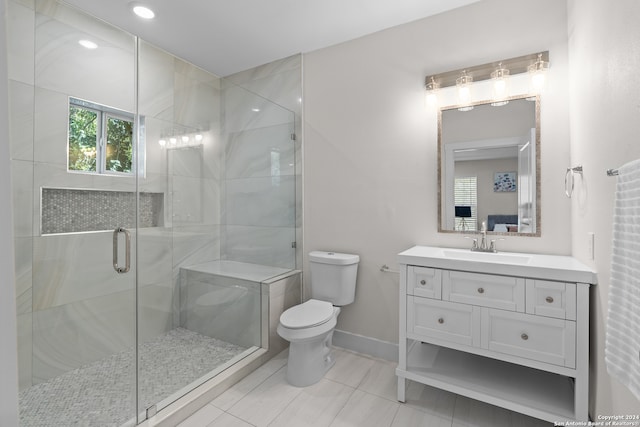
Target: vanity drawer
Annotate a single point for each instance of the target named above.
(424, 282)
(484, 290)
(551, 299)
(428, 318)
(532, 337)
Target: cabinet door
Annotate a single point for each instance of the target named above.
(485, 290)
(428, 318)
(551, 299)
(424, 282)
(532, 337)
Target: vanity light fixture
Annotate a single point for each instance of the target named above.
(538, 72)
(500, 90)
(505, 81)
(179, 140)
(431, 95)
(463, 83)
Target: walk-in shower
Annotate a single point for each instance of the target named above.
(154, 205)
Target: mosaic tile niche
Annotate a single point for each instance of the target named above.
(72, 211)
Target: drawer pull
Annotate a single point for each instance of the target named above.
(441, 320)
(549, 299)
(524, 337)
(481, 290)
(423, 282)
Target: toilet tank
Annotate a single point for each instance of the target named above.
(333, 276)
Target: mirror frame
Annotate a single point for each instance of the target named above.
(538, 230)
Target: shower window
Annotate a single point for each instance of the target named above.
(100, 139)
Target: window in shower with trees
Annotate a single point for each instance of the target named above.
(100, 139)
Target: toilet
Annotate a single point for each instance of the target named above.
(309, 326)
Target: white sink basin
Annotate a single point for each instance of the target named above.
(501, 257)
(544, 267)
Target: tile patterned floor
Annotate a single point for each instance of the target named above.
(357, 391)
(101, 394)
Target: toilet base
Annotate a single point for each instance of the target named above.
(309, 360)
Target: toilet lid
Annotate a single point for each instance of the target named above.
(311, 313)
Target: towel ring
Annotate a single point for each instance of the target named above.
(569, 177)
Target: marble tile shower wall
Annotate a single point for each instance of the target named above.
(262, 188)
(177, 98)
(72, 308)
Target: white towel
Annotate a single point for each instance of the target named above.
(622, 348)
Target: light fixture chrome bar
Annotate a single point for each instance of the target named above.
(483, 72)
(612, 172)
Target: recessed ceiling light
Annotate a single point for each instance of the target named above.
(143, 12)
(255, 110)
(87, 44)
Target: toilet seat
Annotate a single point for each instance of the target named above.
(308, 314)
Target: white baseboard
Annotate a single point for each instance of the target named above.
(366, 345)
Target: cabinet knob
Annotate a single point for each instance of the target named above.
(549, 299)
(481, 290)
(524, 337)
(441, 320)
(423, 282)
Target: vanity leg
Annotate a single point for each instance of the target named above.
(402, 389)
(581, 385)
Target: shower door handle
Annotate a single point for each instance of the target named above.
(127, 254)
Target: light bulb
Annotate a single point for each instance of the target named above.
(173, 140)
(464, 94)
(500, 87)
(431, 94)
(537, 81)
(162, 143)
(198, 137)
(464, 91)
(500, 91)
(431, 99)
(538, 70)
(185, 139)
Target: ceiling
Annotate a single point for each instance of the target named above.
(227, 36)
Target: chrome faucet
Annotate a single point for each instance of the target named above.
(482, 245)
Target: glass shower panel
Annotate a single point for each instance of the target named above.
(77, 358)
(259, 216)
(181, 107)
(201, 309)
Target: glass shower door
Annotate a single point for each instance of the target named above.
(74, 168)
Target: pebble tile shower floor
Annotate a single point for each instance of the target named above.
(100, 394)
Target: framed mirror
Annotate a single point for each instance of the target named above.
(489, 168)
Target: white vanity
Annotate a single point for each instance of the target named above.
(508, 329)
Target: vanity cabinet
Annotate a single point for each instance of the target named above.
(513, 335)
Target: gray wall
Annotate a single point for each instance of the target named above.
(604, 134)
(371, 145)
